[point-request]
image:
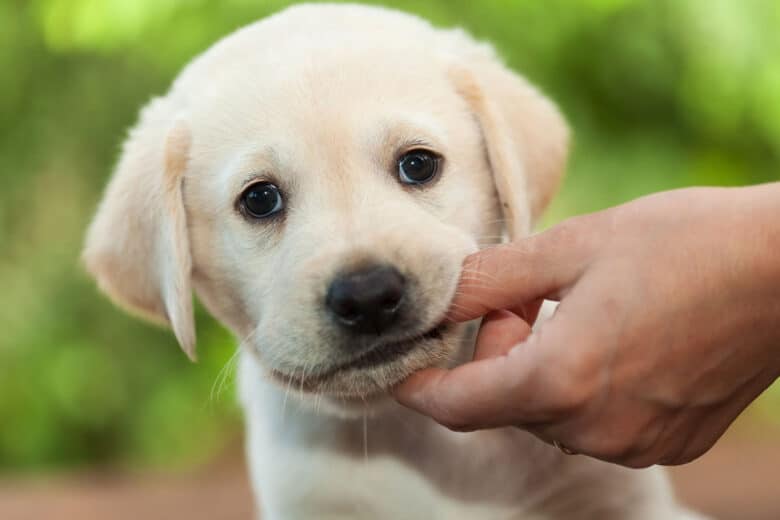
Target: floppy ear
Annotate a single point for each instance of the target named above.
(525, 136)
(137, 246)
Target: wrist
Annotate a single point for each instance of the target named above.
(762, 210)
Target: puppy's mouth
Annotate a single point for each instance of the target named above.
(389, 352)
(380, 355)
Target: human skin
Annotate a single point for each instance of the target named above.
(668, 327)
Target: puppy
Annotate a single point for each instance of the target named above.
(317, 178)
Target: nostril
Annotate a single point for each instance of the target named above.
(392, 300)
(341, 301)
(345, 309)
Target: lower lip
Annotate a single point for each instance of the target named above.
(380, 355)
(391, 351)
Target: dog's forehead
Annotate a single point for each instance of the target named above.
(325, 108)
(311, 33)
(324, 87)
(321, 60)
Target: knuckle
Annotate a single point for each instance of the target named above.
(573, 388)
(566, 398)
(584, 367)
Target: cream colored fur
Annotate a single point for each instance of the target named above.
(321, 100)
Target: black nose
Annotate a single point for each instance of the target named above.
(367, 300)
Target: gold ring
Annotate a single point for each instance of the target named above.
(563, 449)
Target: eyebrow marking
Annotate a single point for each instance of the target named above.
(411, 131)
(252, 177)
(256, 164)
(416, 143)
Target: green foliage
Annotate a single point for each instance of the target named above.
(660, 93)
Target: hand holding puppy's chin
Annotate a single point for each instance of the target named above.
(641, 364)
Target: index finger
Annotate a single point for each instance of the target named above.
(512, 276)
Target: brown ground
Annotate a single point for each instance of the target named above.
(739, 479)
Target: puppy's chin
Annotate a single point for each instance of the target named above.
(367, 380)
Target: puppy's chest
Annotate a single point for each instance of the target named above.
(393, 467)
(309, 482)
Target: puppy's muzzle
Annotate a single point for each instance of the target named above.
(367, 300)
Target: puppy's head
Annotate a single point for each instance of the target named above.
(318, 178)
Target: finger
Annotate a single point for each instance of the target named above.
(499, 332)
(529, 311)
(485, 393)
(547, 378)
(512, 276)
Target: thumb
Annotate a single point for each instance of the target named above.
(517, 275)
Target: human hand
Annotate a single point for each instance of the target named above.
(668, 327)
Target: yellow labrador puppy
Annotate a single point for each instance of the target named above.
(317, 179)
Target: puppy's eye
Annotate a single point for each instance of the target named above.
(418, 167)
(262, 200)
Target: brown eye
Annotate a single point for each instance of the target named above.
(261, 200)
(418, 167)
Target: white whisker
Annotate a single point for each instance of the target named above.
(287, 395)
(225, 372)
(365, 432)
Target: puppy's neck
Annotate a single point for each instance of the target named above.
(289, 416)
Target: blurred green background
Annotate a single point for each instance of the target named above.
(660, 93)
